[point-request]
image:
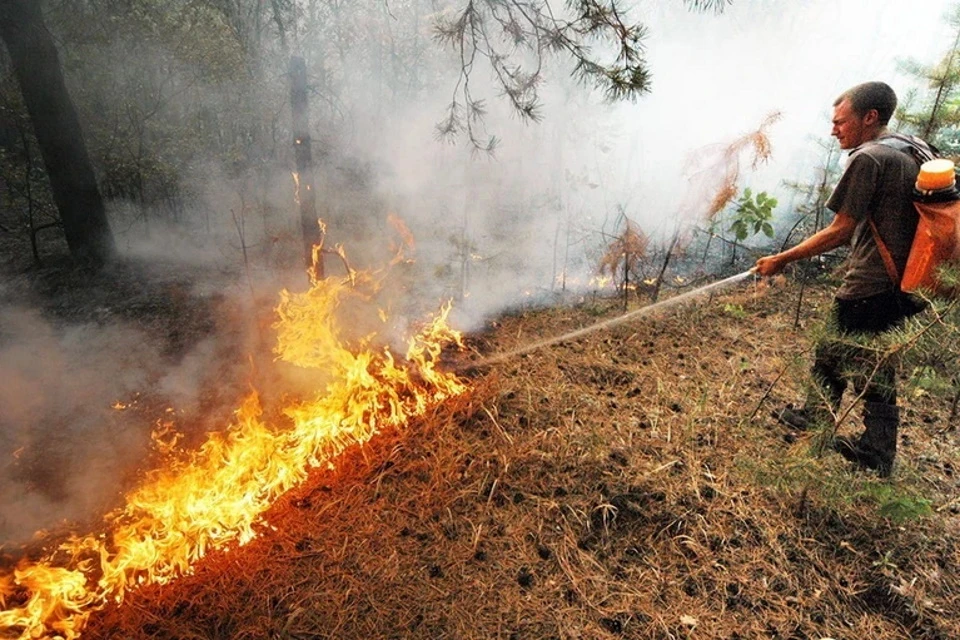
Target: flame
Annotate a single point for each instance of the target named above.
(406, 238)
(214, 498)
(601, 281)
(165, 437)
(296, 185)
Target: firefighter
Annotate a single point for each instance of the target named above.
(873, 197)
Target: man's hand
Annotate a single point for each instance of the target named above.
(770, 265)
(836, 234)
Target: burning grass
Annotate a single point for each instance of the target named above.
(629, 483)
(213, 498)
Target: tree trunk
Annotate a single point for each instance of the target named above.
(37, 67)
(663, 268)
(310, 227)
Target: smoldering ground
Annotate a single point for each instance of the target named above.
(65, 449)
(80, 400)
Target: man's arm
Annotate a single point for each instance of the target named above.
(836, 234)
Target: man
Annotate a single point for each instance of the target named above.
(876, 187)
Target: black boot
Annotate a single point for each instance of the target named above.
(877, 446)
(804, 418)
(818, 409)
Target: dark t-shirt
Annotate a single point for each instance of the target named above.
(877, 183)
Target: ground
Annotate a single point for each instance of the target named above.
(630, 483)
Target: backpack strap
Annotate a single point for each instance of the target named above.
(921, 151)
(885, 254)
(918, 148)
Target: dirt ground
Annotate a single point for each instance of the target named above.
(630, 483)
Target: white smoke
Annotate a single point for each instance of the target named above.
(506, 227)
(495, 230)
(79, 402)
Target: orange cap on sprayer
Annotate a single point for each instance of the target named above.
(936, 174)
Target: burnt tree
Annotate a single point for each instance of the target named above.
(36, 65)
(309, 225)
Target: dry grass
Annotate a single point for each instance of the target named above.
(630, 483)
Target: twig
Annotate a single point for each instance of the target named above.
(796, 315)
(499, 427)
(885, 358)
(766, 393)
(663, 467)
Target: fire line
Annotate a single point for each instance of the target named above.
(216, 497)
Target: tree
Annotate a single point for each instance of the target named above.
(506, 31)
(718, 168)
(36, 65)
(938, 115)
(306, 195)
(624, 255)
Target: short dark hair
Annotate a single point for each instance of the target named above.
(871, 95)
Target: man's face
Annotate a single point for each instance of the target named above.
(852, 130)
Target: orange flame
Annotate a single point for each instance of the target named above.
(296, 187)
(406, 238)
(215, 497)
(165, 437)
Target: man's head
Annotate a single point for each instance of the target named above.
(862, 113)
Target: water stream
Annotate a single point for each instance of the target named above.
(642, 311)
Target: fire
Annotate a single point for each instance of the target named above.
(165, 437)
(215, 497)
(403, 231)
(601, 281)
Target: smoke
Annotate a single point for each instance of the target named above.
(494, 231)
(534, 218)
(718, 76)
(489, 231)
(62, 445)
(79, 402)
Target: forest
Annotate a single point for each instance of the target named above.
(422, 318)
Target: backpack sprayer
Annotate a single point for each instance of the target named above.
(937, 240)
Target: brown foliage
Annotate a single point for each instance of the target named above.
(630, 247)
(720, 165)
